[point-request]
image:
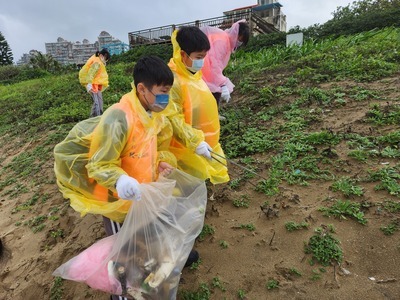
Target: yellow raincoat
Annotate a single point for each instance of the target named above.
(97, 151)
(94, 72)
(193, 113)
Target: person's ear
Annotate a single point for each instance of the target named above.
(141, 88)
(183, 53)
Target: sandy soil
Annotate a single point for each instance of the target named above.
(370, 269)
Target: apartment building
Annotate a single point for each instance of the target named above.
(66, 52)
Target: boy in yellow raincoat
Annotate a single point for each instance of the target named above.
(193, 111)
(93, 76)
(103, 160)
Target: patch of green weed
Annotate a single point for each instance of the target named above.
(202, 293)
(347, 186)
(57, 289)
(207, 230)
(243, 201)
(292, 226)
(324, 247)
(343, 209)
(272, 284)
(217, 283)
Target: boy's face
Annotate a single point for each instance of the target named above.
(188, 59)
(156, 98)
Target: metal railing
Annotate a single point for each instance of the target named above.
(162, 34)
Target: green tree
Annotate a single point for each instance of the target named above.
(44, 62)
(362, 15)
(6, 56)
(358, 16)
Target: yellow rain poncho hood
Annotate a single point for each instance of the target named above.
(94, 71)
(193, 113)
(97, 151)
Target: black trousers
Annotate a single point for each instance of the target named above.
(217, 97)
(111, 227)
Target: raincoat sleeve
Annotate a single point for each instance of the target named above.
(108, 142)
(183, 132)
(219, 56)
(163, 143)
(94, 68)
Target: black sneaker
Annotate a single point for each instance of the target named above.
(193, 258)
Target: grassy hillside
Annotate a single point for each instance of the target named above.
(320, 121)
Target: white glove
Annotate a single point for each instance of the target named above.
(204, 149)
(128, 188)
(89, 87)
(225, 95)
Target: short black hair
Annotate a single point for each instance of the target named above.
(104, 52)
(244, 32)
(192, 39)
(152, 70)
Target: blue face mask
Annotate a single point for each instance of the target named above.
(197, 64)
(160, 103)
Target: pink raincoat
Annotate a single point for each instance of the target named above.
(223, 43)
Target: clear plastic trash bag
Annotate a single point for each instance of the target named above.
(145, 258)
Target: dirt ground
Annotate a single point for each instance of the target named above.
(370, 268)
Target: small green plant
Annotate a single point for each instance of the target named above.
(390, 114)
(234, 183)
(270, 186)
(389, 178)
(347, 187)
(249, 227)
(265, 204)
(294, 271)
(361, 94)
(391, 206)
(272, 284)
(36, 223)
(217, 283)
(57, 289)
(207, 230)
(202, 293)
(343, 209)
(356, 141)
(390, 152)
(223, 244)
(315, 275)
(243, 201)
(196, 265)
(324, 247)
(358, 154)
(339, 98)
(292, 226)
(57, 233)
(241, 294)
(391, 227)
(248, 160)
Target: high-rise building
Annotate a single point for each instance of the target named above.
(82, 51)
(113, 45)
(66, 52)
(26, 57)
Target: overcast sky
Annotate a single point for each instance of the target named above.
(28, 24)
